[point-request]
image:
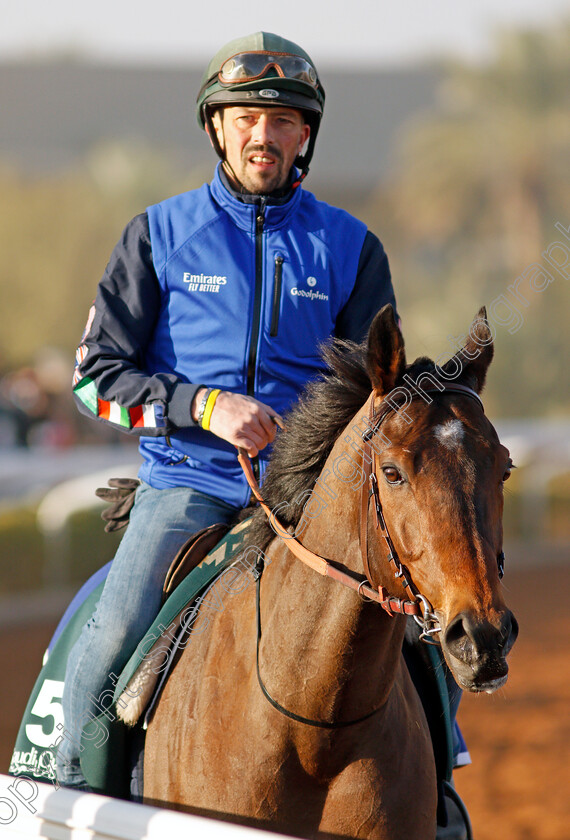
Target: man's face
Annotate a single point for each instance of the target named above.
(261, 144)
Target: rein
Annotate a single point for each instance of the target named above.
(416, 605)
(322, 724)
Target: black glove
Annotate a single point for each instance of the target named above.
(121, 494)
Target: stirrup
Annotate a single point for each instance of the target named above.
(459, 824)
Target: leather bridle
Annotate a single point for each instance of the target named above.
(416, 604)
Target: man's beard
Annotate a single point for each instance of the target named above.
(262, 183)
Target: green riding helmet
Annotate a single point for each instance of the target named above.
(262, 69)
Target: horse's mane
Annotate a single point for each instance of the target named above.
(313, 425)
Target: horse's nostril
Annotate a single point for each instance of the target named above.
(474, 641)
(510, 630)
(456, 637)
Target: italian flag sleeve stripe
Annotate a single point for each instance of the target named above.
(152, 418)
(141, 416)
(136, 415)
(114, 413)
(86, 390)
(146, 417)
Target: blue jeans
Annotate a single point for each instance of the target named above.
(161, 521)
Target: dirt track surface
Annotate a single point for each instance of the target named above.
(517, 787)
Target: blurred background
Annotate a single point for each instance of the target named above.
(447, 130)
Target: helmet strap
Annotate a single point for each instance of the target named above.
(303, 174)
(213, 134)
(302, 161)
(218, 148)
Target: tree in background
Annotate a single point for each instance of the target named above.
(477, 191)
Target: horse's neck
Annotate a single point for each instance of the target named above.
(325, 653)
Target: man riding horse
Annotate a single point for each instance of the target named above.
(206, 326)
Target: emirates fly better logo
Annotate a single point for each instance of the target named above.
(204, 282)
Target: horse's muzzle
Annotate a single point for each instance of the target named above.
(476, 650)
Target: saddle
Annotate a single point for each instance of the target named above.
(147, 672)
(191, 555)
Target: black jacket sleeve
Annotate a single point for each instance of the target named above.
(372, 290)
(110, 381)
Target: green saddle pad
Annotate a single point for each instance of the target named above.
(105, 754)
(42, 722)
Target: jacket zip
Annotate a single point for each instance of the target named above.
(276, 295)
(252, 359)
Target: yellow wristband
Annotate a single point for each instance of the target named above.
(210, 403)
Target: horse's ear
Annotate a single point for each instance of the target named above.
(386, 357)
(470, 364)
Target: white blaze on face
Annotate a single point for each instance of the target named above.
(450, 433)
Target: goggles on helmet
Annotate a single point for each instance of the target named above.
(250, 66)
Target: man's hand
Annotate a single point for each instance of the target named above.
(243, 421)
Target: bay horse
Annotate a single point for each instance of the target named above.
(300, 716)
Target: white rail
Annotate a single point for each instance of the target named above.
(29, 809)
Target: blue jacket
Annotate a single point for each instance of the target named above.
(232, 294)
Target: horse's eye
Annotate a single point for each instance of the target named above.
(392, 475)
(507, 474)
